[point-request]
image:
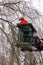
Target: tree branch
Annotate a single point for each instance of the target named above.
(3, 4)
(5, 34)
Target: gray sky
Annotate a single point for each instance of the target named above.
(38, 4)
(0, 0)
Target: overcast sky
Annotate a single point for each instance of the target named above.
(38, 4)
(0, 0)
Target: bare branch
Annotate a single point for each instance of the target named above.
(7, 21)
(5, 35)
(4, 4)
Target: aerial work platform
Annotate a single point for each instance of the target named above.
(26, 39)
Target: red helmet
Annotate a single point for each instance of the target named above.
(21, 18)
(23, 21)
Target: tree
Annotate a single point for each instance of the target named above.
(10, 12)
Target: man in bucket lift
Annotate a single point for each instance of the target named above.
(36, 40)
